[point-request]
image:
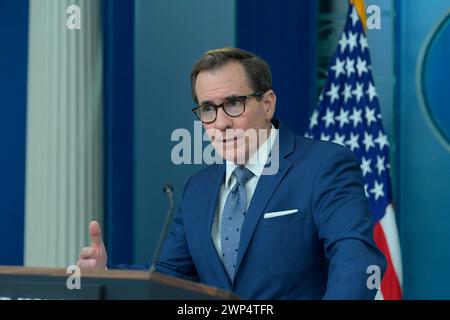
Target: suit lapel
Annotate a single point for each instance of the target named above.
(215, 181)
(264, 191)
(266, 187)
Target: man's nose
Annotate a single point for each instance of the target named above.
(223, 121)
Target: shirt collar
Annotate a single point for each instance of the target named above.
(257, 162)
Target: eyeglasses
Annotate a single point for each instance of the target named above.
(233, 107)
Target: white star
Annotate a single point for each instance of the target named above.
(356, 116)
(361, 66)
(370, 116)
(363, 42)
(338, 68)
(343, 42)
(382, 140)
(368, 141)
(365, 166)
(366, 191)
(353, 141)
(358, 92)
(371, 91)
(350, 66)
(307, 135)
(324, 137)
(351, 41)
(377, 190)
(342, 118)
(380, 165)
(313, 122)
(347, 92)
(339, 139)
(354, 16)
(333, 93)
(328, 118)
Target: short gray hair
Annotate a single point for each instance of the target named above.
(257, 69)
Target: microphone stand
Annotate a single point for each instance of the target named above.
(168, 190)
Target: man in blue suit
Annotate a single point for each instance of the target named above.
(301, 231)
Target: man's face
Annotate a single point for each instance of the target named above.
(227, 133)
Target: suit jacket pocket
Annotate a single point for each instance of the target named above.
(278, 218)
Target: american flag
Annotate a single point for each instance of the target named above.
(349, 114)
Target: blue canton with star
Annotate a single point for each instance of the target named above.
(349, 113)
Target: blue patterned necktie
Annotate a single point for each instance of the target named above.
(232, 219)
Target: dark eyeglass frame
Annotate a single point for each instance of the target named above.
(216, 107)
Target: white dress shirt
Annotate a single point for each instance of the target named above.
(256, 165)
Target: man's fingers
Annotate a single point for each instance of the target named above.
(94, 256)
(88, 263)
(95, 234)
(87, 253)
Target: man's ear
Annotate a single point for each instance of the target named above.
(269, 100)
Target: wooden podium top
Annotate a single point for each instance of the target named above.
(15, 273)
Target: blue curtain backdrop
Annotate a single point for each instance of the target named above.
(118, 97)
(13, 93)
(285, 34)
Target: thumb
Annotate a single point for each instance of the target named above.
(95, 233)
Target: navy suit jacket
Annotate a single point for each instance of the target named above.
(320, 252)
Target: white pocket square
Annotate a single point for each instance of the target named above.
(274, 214)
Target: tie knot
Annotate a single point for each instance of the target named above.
(242, 174)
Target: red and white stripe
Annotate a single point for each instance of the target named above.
(386, 238)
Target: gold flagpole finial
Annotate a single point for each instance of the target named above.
(360, 8)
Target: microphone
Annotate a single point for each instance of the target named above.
(168, 190)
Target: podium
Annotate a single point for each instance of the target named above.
(25, 283)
